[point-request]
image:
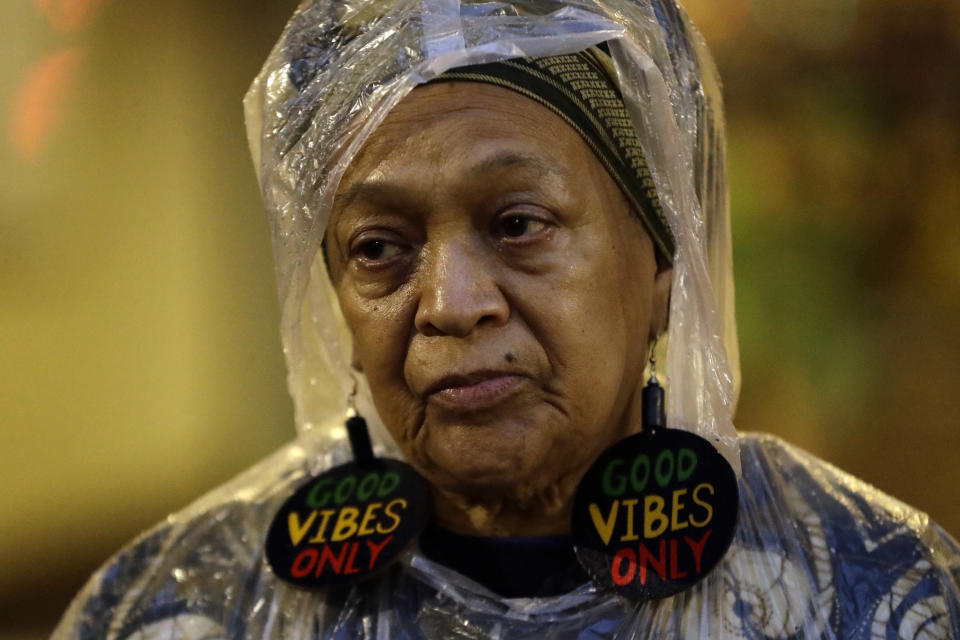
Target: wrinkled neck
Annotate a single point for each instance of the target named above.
(543, 513)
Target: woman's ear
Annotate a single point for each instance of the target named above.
(660, 313)
(355, 363)
(356, 366)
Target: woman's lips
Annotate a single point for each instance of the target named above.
(482, 394)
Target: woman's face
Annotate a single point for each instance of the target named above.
(500, 293)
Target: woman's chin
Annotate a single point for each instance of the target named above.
(480, 471)
(483, 463)
(481, 477)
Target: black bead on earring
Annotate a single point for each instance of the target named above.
(654, 410)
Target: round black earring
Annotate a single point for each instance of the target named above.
(657, 510)
(351, 521)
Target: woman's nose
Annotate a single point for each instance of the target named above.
(459, 291)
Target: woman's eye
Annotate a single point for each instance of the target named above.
(373, 250)
(517, 226)
(377, 249)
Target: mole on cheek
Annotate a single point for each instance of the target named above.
(509, 357)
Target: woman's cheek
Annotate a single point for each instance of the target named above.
(401, 416)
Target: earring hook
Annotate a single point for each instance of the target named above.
(352, 397)
(653, 358)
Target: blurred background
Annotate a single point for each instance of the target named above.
(141, 363)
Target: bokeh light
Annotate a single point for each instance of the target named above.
(719, 20)
(68, 15)
(39, 102)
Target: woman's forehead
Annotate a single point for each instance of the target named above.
(388, 181)
(466, 144)
(473, 123)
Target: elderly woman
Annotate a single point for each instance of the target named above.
(488, 218)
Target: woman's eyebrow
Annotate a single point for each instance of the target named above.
(515, 159)
(369, 192)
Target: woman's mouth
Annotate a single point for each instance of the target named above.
(475, 391)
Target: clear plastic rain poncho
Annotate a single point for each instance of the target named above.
(817, 554)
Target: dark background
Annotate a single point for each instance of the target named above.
(138, 318)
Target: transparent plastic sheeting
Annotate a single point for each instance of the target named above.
(353, 61)
(818, 554)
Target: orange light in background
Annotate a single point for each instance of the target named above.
(39, 100)
(718, 20)
(67, 15)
